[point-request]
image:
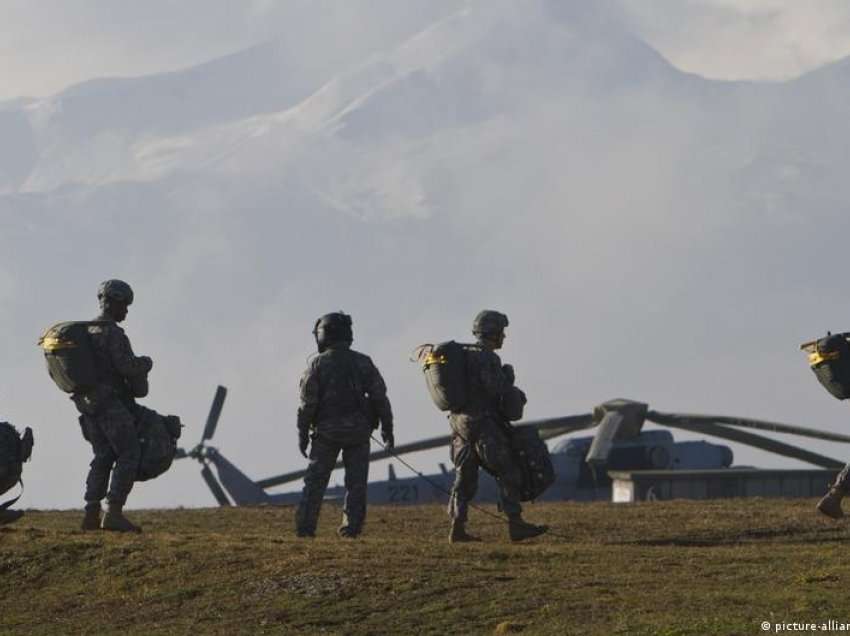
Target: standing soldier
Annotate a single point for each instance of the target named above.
(480, 433)
(343, 396)
(15, 449)
(108, 412)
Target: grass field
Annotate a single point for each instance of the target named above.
(682, 567)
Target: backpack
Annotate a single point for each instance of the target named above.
(532, 455)
(830, 360)
(69, 356)
(15, 449)
(444, 367)
(158, 435)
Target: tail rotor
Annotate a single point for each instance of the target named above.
(205, 454)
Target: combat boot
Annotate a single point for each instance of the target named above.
(519, 529)
(115, 520)
(830, 505)
(91, 520)
(458, 533)
(347, 532)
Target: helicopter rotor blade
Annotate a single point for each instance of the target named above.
(750, 439)
(214, 486)
(774, 427)
(567, 424)
(215, 413)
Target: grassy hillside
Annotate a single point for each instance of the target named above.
(656, 568)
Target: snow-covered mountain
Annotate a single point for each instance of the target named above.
(650, 233)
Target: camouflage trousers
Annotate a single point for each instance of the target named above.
(323, 456)
(842, 481)
(115, 442)
(482, 443)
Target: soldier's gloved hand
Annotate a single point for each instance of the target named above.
(389, 440)
(303, 442)
(147, 362)
(508, 371)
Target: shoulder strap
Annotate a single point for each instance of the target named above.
(356, 384)
(354, 376)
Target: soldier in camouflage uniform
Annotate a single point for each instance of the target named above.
(830, 504)
(15, 449)
(343, 396)
(480, 433)
(108, 412)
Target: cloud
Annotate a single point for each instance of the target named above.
(47, 46)
(744, 39)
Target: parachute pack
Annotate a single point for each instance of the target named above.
(532, 455)
(158, 435)
(69, 356)
(444, 367)
(15, 449)
(829, 359)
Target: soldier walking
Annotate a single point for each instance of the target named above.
(108, 411)
(480, 433)
(343, 398)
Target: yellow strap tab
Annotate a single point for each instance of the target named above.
(52, 343)
(432, 358)
(817, 357)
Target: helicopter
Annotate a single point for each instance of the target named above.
(581, 463)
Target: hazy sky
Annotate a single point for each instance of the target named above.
(651, 234)
(49, 44)
(745, 39)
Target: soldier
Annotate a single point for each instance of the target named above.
(15, 449)
(480, 433)
(108, 412)
(343, 396)
(830, 504)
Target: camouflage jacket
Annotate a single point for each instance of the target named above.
(342, 395)
(118, 368)
(487, 382)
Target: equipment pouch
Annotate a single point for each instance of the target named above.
(158, 440)
(513, 404)
(138, 385)
(532, 455)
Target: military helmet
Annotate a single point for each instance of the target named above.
(489, 322)
(114, 289)
(333, 328)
